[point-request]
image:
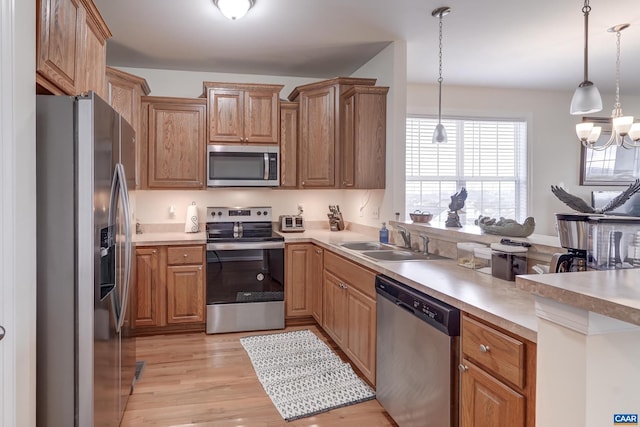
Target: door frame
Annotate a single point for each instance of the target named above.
(17, 213)
(7, 220)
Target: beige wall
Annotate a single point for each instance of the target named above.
(554, 151)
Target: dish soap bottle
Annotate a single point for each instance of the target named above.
(384, 233)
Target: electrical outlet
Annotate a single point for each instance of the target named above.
(375, 213)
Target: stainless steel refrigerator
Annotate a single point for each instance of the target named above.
(85, 352)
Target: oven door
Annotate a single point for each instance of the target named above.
(245, 272)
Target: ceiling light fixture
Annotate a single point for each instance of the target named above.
(586, 99)
(234, 9)
(624, 133)
(440, 134)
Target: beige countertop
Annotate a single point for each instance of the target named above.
(495, 300)
(612, 293)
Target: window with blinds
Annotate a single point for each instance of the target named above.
(487, 157)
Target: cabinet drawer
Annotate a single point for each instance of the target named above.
(181, 255)
(356, 276)
(495, 351)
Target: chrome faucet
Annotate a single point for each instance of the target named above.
(425, 243)
(406, 236)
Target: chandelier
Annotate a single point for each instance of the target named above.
(624, 132)
(234, 9)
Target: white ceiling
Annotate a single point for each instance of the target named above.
(499, 43)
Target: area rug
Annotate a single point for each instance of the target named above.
(302, 375)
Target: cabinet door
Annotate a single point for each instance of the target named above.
(347, 154)
(288, 144)
(60, 45)
(487, 402)
(334, 308)
(225, 110)
(95, 59)
(185, 294)
(315, 281)
(297, 287)
(317, 138)
(261, 117)
(176, 144)
(361, 341)
(146, 289)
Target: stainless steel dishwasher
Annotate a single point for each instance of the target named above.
(417, 356)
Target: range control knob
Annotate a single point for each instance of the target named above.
(213, 214)
(264, 213)
(259, 213)
(219, 213)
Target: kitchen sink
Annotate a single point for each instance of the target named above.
(365, 246)
(400, 255)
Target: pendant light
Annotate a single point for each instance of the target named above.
(586, 99)
(624, 133)
(440, 134)
(234, 9)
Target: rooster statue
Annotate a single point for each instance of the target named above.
(580, 205)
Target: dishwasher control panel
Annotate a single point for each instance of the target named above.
(439, 314)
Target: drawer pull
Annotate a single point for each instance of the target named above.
(185, 255)
(484, 348)
(463, 368)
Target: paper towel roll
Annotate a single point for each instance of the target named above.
(191, 223)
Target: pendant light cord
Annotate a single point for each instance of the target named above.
(585, 10)
(617, 106)
(440, 74)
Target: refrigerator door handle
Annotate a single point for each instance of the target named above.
(124, 194)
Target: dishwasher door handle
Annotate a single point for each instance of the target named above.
(404, 306)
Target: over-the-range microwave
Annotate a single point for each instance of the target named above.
(243, 166)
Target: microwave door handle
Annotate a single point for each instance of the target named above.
(266, 166)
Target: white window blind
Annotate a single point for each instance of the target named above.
(487, 157)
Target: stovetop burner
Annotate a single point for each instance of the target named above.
(240, 225)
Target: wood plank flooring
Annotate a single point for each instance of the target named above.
(200, 380)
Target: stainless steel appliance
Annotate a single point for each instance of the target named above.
(291, 223)
(245, 270)
(85, 353)
(417, 356)
(243, 166)
(615, 242)
(574, 232)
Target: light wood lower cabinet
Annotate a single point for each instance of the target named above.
(317, 265)
(168, 293)
(497, 377)
(297, 279)
(349, 311)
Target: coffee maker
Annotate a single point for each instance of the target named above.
(574, 234)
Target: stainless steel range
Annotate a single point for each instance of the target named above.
(245, 270)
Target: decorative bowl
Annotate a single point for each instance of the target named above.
(418, 216)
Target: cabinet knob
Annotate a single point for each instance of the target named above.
(155, 251)
(302, 183)
(318, 251)
(484, 348)
(463, 367)
(185, 255)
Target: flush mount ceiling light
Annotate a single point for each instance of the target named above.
(586, 99)
(440, 134)
(624, 133)
(234, 9)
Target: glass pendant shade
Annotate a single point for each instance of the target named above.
(634, 132)
(234, 9)
(439, 134)
(622, 124)
(586, 99)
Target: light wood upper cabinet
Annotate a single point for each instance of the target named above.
(243, 113)
(288, 144)
(71, 47)
(364, 134)
(320, 130)
(124, 93)
(176, 142)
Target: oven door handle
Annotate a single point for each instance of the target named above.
(234, 246)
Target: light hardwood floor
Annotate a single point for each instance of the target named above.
(199, 380)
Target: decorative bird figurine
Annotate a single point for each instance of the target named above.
(580, 205)
(506, 227)
(457, 200)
